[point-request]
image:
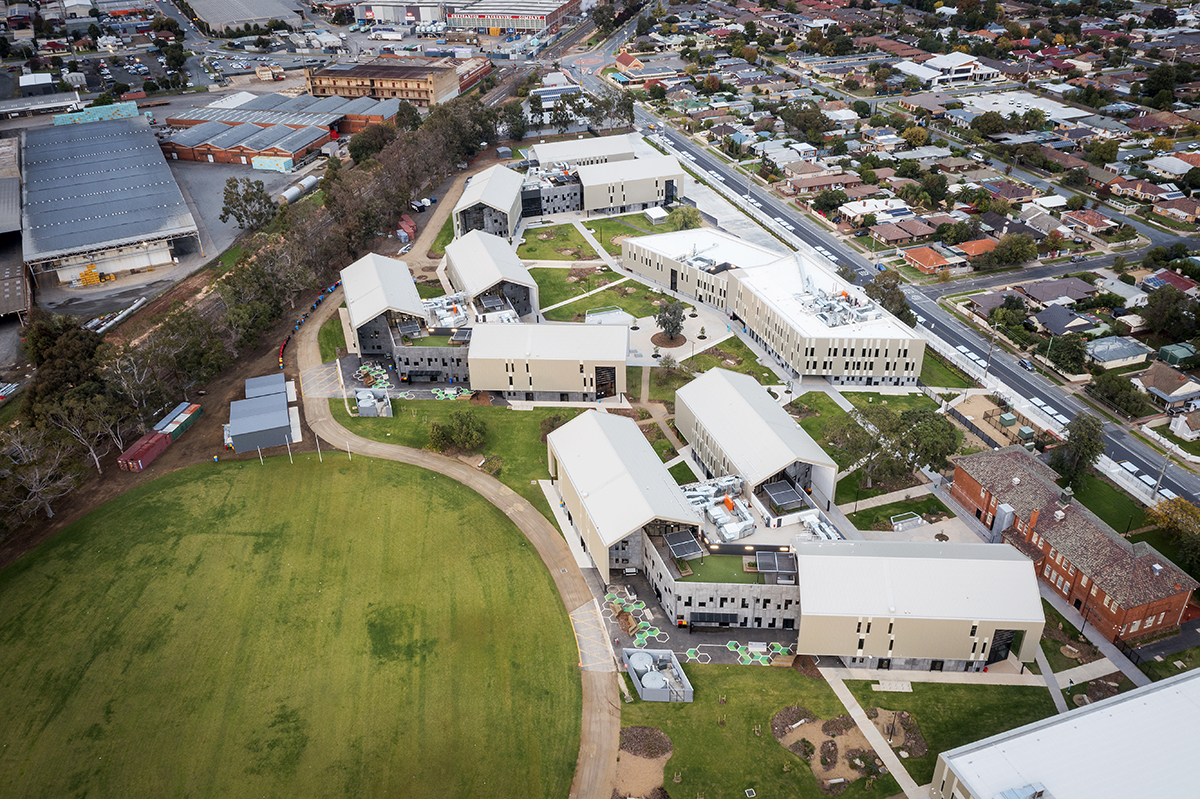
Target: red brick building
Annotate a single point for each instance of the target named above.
(1122, 589)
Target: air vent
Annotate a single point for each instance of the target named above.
(1016, 481)
(1059, 515)
(1157, 569)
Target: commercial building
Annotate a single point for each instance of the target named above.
(491, 202)
(514, 16)
(624, 186)
(917, 605)
(99, 199)
(735, 427)
(549, 362)
(485, 268)
(345, 115)
(223, 14)
(1151, 733)
(421, 82)
(1123, 589)
(583, 152)
(808, 319)
(216, 142)
(400, 12)
(613, 487)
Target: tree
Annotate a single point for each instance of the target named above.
(1117, 390)
(604, 17)
(846, 273)
(684, 217)
(885, 290)
(804, 116)
(871, 449)
(1181, 519)
(1171, 312)
(371, 140)
(176, 56)
(869, 221)
(670, 320)
(408, 117)
(862, 108)
(248, 203)
(930, 438)
(1069, 352)
(40, 469)
(1076, 202)
(462, 430)
(829, 199)
(989, 123)
(915, 136)
(1083, 446)
(1075, 178)
(512, 116)
(104, 98)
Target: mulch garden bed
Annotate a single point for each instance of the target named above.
(783, 721)
(1087, 651)
(661, 340)
(836, 726)
(829, 754)
(648, 742)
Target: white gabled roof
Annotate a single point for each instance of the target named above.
(620, 479)
(481, 260)
(550, 342)
(659, 166)
(917, 580)
(376, 283)
(759, 437)
(498, 187)
(572, 150)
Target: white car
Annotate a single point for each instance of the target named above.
(788, 227)
(962, 349)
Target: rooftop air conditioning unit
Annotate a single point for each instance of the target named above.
(1157, 569)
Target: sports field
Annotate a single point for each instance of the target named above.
(308, 630)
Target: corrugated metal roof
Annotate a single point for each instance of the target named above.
(102, 184)
(232, 135)
(759, 437)
(267, 102)
(481, 260)
(266, 137)
(621, 481)
(497, 187)
(570, 151)
(258, 414)
(220, 13)
(659, 166)
(266, 384)
(917, 580)
(374, 284)
(238, 116)
(297, 140)
(10, 204)
(198, 134)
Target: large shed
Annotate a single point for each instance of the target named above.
(488, 271)
(99, 198)
(263, 419)
(613, 487)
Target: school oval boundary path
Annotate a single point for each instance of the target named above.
(600, 730)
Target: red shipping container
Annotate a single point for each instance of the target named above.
(127, 455)
(155, 447)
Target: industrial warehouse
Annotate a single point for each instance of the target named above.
(99, 199)
(345, 115)
(273, 147)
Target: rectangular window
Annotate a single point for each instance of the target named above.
(1093, 589)
(974, 629)
(1160, 617)
(858, 629)
(1070, 570)
(1058, 582)
(1106, 601)
(890, 626)
(1083, 581)
(861, 641)
(868, 628)
(1133, 628)
(1149, 622)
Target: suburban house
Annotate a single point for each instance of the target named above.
(1060, 291)
(1123, 589)
(1086, 219)
(1013, 192)
(1059, 320)
(1113, 352)
(1186, 426)
(1183, 209)
(975, 248)
(1168, 166)
(1063, 756)
(1165, 277)
(926, 259)
(1167, 386)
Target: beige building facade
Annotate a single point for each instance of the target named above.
(625, 186)
(549, 362)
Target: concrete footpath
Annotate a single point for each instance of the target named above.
(873, 736)
(1106, 647)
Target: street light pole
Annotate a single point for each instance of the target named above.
(1161, 473)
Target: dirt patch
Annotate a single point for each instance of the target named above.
(1082, 651)
(844, 755)
(785, 720)
(807, 666)
(640, 776)
(902, 728)
(661, 340)
(649, 742)
(1104, 687)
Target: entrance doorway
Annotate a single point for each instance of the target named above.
(606, 381)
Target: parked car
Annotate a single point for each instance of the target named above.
(1027, 365)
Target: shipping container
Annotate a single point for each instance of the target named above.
(170, 417)
(145, 455)
(123, 458)
(183, 421)
(493, 31)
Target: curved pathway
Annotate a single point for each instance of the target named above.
(599, 734)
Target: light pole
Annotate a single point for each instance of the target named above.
(1161, 473)
(991, 348)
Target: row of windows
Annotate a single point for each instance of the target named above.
(721, 602)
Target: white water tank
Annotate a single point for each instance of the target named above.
(640, 662)
(653, 680)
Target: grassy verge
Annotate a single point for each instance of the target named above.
(896, 402)
(954, 715)
(936, 372)
(555, 243)
(1160, 670)
(231, 257)
(1190, 447)
(444, 237)
(682, 473)
(633, 383)
(1110, 503)
(553, 286)
(664, 383)
(743, 360)
(514, 437)
(429, 290)
(718, 761)
(1052, 648)
(605, 230)
(232, 630)
(330, 337)
(870, 518)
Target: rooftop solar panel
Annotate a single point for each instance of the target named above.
(683, 545)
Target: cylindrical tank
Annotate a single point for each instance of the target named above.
(290, 195)
(309, 183)
(640, 662)
(652, 679)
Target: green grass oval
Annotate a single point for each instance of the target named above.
(336, 629)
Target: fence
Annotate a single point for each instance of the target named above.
(974, 428)
(1012, 433)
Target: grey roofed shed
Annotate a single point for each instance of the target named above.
(222, 13)
(95, 187)
(297, 140)
(10, 205)
(198, 134)
(260, 422)
(240, 116)
(266, 384)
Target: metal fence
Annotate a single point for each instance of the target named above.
(974, 428)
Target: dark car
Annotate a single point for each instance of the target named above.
(1027, 365)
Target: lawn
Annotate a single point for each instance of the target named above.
(1111, 504)
(823, 410)
(330, 337)
(444, 237)
(936, 372)
(720, 569)
(682, 473)
(639, 304)
(10, 409)
(849, 488)
(561, 243)
(633, 382)
(1160, 540)
(430, 341)
(515, 437)
(664, 383)
(553, 287)
(428, 291)
(1164, 430)
(896, 402)
(1052, 648)
(605, 230)
(205, 635)
(868, 518)
(723, 761)
(231, 257)
(950, 715)
(745, 361)
(1156, 670)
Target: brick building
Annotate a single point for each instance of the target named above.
(1123, 589)
(422, 84)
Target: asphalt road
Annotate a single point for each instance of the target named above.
(1121, 446)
